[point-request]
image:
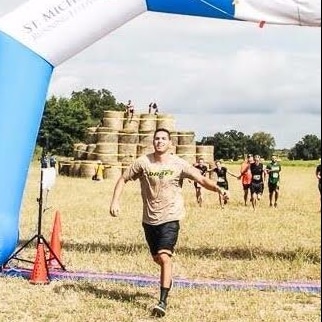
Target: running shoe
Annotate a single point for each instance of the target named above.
(159, 309)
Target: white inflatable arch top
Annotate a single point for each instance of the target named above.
(41, 34)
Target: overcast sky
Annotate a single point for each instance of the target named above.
(212, 75)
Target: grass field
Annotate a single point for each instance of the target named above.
(235, 243)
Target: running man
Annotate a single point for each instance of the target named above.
(222, 181)
(200, 165)
(258, 178)
(273, 170)
(161, 176)
(246, 176)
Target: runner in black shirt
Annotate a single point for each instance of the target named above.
(200, 165)
(258, 177)
(222, 181)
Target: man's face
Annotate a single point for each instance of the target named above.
(161, 142)
(274, 158)
(201, 161)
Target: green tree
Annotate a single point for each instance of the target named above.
(229, 145)
(261, 143)
(97, 101)
(308, 148)
(238, 142)
(64, 123)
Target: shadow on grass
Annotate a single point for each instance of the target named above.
(312, 256)
(112, 294)
(251, 253)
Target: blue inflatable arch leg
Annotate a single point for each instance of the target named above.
(24, 81)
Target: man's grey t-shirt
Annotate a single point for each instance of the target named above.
(161, 186)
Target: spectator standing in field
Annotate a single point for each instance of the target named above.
(246, 176)
(161, 176)
(99, 171)
(200, 165)
(273, 170)
(129, 109)
(258, 178)
(153, 107)
(221, 173)
(52, 161)
(318, 176)
(45, 163)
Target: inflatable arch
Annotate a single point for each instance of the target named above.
(40, 35)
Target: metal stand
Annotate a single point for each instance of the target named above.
(39, 236)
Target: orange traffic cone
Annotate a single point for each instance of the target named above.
(55, 244)
(39, 274)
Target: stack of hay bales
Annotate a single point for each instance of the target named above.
(120, 140)
(186, 147)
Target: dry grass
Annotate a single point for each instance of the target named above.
(236, 243)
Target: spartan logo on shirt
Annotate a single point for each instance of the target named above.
(161, 174)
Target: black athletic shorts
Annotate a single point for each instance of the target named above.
(257, 188)
(246, 186)
(223, 185)
(273, 187)
(162, 236)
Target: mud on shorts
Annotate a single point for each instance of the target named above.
(257, 188)
(162, 236)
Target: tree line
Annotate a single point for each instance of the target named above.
(65, 122)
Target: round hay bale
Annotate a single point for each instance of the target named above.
(144, 149)
(125, 165)
(64, 168)
(112, 171)
(105, 129)
(166, 121)
(128, 137)
(126, 152)
(79, 152)
(87, 169)
(107, 135)
(146, 137)
(211, 165)
(132, 123)
(75, 169)
(90, 135)
(187, 152)
(174, 138)
(148, 122)
(206, 152)
(106, 152)
(113, 119)
(186, 137)
(90, 151)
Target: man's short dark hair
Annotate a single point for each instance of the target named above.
(162, 130)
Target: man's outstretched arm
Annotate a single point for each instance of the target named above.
(118, 189)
